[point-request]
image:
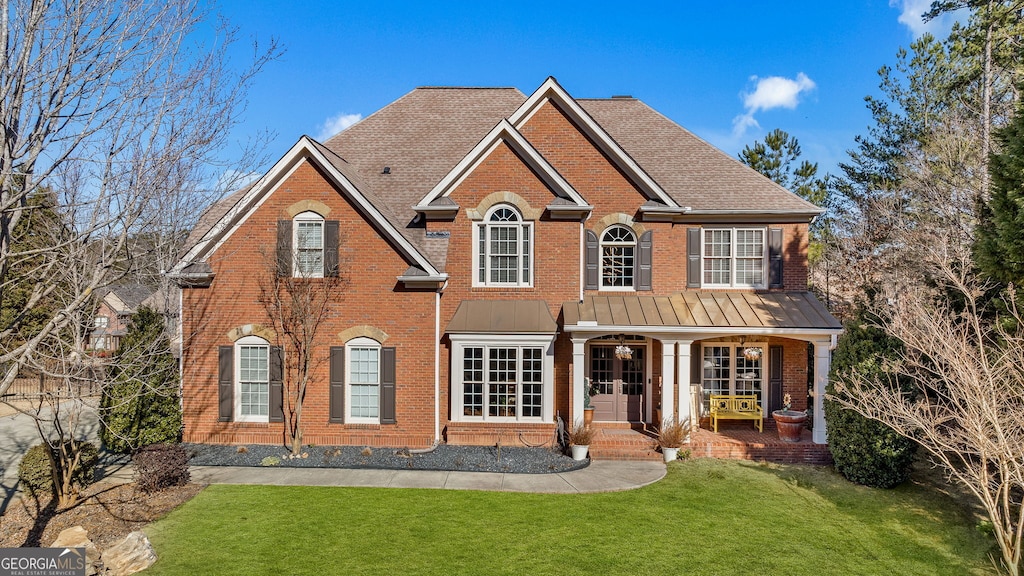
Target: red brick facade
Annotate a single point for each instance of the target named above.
(414, 318)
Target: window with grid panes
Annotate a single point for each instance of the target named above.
(503, 249)
(734, 257)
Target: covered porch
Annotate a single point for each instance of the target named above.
(692, 344)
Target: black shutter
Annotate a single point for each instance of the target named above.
(337, 392)
(643, 277)
(774, 378)
(276, 384)
(693, 257)
(387, 386)
(284, 247)
(775, 258)
(331, 241)
(226, 382)
(593, 259)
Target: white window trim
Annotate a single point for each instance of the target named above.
(101, 322)
(526, 226)
(248, 341)
(732, 258)
(361, 342)
(543, 341)
(600, 256)
(307, 216)
(733, 345)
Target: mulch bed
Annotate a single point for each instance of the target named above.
(107, 511)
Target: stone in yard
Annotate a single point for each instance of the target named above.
(78, 537)
(131, 555)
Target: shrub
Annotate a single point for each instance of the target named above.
(35, 472)
(673, 433)
(581, 435)
(140, 405)
(865, 451)
(160, 466)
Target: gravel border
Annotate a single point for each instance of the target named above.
(513, 460)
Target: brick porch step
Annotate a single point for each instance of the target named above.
(623, 443)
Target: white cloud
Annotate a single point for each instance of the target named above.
(336, 124)
(771, 92)
(910, 16)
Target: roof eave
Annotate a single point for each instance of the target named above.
(568, 212)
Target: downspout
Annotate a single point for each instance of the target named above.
(437, 366)
(583, 250)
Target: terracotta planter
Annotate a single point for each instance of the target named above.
(588, 416)
(790, 424)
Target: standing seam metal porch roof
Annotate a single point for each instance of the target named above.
(711, 309)
(502, 317)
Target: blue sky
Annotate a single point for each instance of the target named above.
(729, 71)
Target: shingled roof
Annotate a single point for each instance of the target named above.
(398, 154)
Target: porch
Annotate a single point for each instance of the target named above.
(733, 441)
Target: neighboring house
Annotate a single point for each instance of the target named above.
(114, 313)
(498, 248)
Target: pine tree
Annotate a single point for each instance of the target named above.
(999, 244)
(776, 158)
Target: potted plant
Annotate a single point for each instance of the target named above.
(789, 423)
(671, 436)
(580, 437)
(588, 410)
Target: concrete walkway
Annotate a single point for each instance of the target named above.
(600, 476)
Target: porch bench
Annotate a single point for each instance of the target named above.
(729, 407)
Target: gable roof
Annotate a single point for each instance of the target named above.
(503, 132)
(343, 176)
(409, 153)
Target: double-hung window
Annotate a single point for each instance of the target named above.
(252, 376)
(364, 368)
(502, 381)
(309, 245)
(503, 249)
(734, 257)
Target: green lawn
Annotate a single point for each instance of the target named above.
(705, 517)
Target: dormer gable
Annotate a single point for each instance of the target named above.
(568, 203)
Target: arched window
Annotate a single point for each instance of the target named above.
(503, 251)
(252, 379)
(309, 245)
(618, 259)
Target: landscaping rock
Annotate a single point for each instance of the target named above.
(131, 555)
(78, 537)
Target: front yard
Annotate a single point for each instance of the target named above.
(705, 517)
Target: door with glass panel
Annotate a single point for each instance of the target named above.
(618, 383)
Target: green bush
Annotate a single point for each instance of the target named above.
(34, 472)
(140, 405)
(160, 466)
(865, 451)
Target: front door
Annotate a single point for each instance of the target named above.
(618, 383)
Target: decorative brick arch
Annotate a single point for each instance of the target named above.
(618, 218)
(308, 206)
(495, 198)
(364, 331)
(251, 330)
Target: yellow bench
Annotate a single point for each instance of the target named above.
(726, 407)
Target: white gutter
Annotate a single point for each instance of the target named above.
(583, 258)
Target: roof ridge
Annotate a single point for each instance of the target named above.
(466, 88)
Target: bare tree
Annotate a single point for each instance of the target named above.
(298, 305)
(967, 410)
(109, 107)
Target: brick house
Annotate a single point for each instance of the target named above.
(113, 314)
(498, 249)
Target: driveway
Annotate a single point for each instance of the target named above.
(18, 433)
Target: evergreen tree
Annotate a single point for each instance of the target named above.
(999, 244)
(140, 404)
(777, 158)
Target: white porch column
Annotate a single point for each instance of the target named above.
(822, 364)
(668, 379)
(683, 363)
(579, 358)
